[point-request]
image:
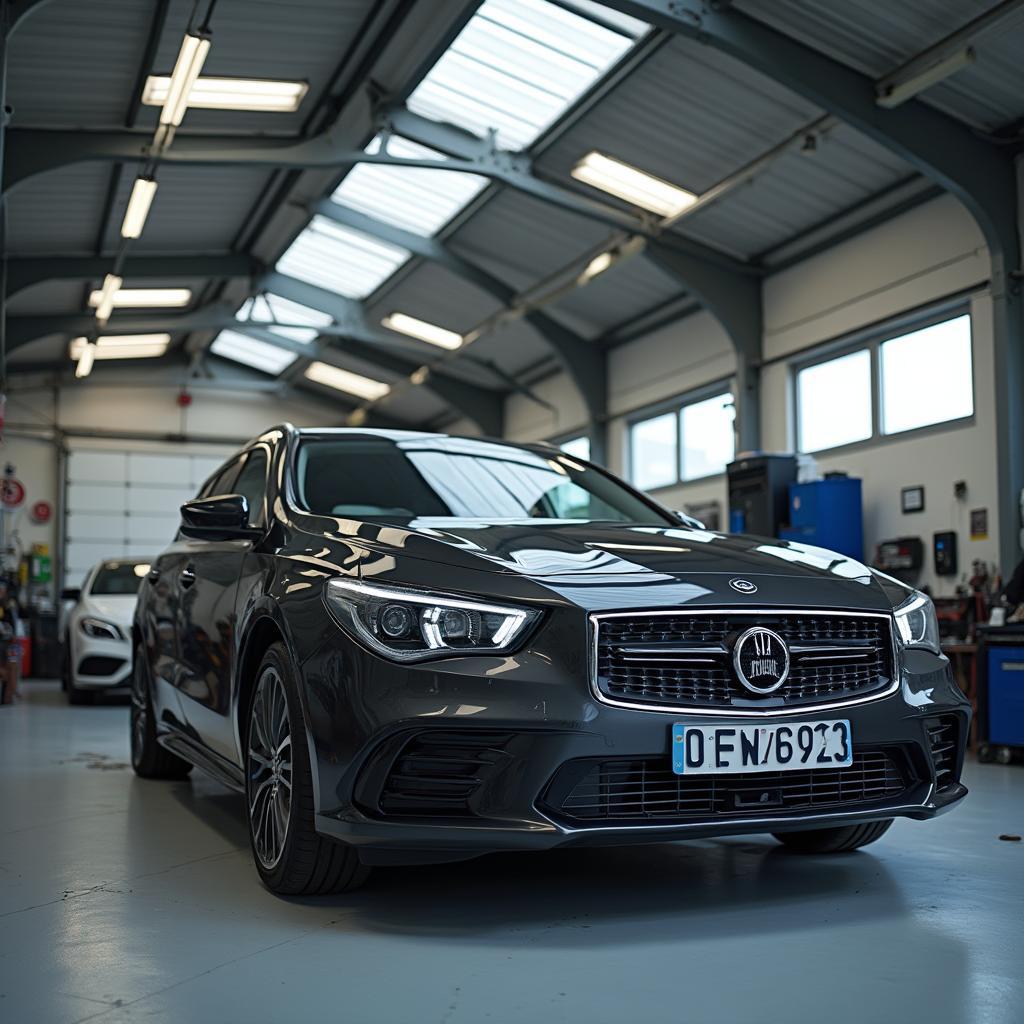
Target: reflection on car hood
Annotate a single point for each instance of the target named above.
(547, 548)
(116, 608)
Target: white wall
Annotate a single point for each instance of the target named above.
(921, 257)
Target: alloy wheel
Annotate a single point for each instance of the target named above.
(269, 768)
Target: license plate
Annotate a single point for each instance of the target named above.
(727, 749)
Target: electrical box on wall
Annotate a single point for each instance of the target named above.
(944, 545)
(902, 555)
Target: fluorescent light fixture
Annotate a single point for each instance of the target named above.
(146, 298)
(430, 333)
(138, 207)
(263, 94)
(598, 265)
(633, 185)
(191, 58)
(105, 301)
(121, 346)
(254, 352)
(86, 355)
(345, 380)
(891, 91)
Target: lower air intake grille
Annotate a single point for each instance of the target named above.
(95, 665)
(437, 772)
(943, 740)
(627, 790)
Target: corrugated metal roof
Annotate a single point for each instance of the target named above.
(796, 192)
(74, 64)
(878, 37)
(689, 114)
(53, 296)
(57, 212)
(195, 209)
(265, 39)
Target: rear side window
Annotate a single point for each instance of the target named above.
(222, 481)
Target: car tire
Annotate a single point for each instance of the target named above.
(834, 840)
(149, 759)
(291, 857)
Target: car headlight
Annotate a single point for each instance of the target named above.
(100, 630)
(916, 624)
(412, 625)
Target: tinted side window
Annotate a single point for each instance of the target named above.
(252, 482)
(221, 481)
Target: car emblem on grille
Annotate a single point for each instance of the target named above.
(743, 586)
(761, 660)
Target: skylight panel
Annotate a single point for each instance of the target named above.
(340, 260)
(273, 307)
(417, 199)
(254, 352)
(516, 67)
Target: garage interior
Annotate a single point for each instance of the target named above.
(759, 258)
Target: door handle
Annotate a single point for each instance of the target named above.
(187, 576)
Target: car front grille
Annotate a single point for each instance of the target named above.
(684, 659)
(437, 772)
(628, 790)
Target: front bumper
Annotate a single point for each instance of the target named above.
(453, 760)
(99, 664)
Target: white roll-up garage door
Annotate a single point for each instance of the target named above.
(124, 502)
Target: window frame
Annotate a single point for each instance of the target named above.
(871, 339)
(723, 386)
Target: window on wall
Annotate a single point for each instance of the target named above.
(926, 376)
(889, 385)
(694, 440)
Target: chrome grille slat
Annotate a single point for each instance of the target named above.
(683, 659)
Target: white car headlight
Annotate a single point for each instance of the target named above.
(98, 629)
(413, 625)
(916, 624)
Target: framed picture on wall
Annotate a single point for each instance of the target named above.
(912, 498)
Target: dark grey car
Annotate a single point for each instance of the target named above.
(409, 647)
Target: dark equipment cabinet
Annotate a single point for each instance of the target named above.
(1000, 727)
(759, 493)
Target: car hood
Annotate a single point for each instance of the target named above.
(582, 559)
(117, 608)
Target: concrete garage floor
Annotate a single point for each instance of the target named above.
(125, 900)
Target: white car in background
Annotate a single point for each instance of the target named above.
(98, 636)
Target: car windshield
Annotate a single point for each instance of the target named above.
(118, 578)
(398, 479)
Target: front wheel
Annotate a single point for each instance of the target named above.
(834, 840)
(291, 856)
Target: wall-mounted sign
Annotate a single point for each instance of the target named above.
(41, 512)
(979, 524)
(912, 499)
(12, 492)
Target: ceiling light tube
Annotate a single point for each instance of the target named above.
(105, 305)
(598, 265)
(632, 185)
(258, 94)
(85, 358)
(345, 380)
(191, 57)
(139, 203)
(424, 331)
(891, 92)
(122, 346)
(146, 298)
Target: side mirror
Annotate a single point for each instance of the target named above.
(223, 517)
(71, 593)
(693, 524)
